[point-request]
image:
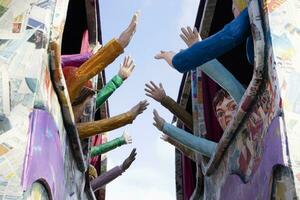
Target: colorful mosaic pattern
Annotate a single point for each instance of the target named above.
(27, 69)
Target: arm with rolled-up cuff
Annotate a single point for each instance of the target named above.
(108, 146)
(178, 111)
(101, 59)
(88, 129)
(198, 144)
(105, 178)
(108, 90)
(214, 46)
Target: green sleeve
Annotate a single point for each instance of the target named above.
(103, 148)
(108, 89)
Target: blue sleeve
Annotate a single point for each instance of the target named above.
(201, 145)
(214, 46)
(217, 72)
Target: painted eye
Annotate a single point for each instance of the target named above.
(233, 107)
(220, 114)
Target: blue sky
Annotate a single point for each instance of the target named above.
(152, 175)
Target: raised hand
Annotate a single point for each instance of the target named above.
(158, 121)
(126, 68)
(167, 56)
(139, 108)
(128, 161)
(127, 138)
(164, 137)
(126, 35)
(190, 36)
(155, 92)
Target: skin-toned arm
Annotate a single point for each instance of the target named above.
(158, 93)
(125, 71)
(108, 146)
(101, 59)
(198, 144)
(112, 174)
(185, 150)
(88, 129)
(212, 47)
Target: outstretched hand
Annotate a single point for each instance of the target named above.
(128, 161)
(127, 138)
(126, 35)
(158, 121)
(164, 137)
(167, 56)
(155, 92)
(126, 68)
(190, 36)
(139, 108)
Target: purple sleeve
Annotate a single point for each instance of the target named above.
(105, 178)
(75, 60)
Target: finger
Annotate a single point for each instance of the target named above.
(130, 61)
(131, 68)
(185, 32)
(133, 151)
(135, 17)
(155, 113)
(190, 31)
(161, 86)
(149, 86)
(184, 38)
(149, 91)
(133, 22)
(196, 33)
(153, 84)
(143, 102)
(150, 95)
(124, 61)
(144, 107)
(158, 56)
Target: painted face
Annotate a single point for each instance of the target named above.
(225, 111)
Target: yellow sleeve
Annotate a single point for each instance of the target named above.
(104, 56)
(88, 129)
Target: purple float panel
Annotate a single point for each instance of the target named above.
(43, 158)
(188, 180)
(259, 184)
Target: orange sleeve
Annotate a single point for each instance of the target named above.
(104, 56)
(88, 129)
